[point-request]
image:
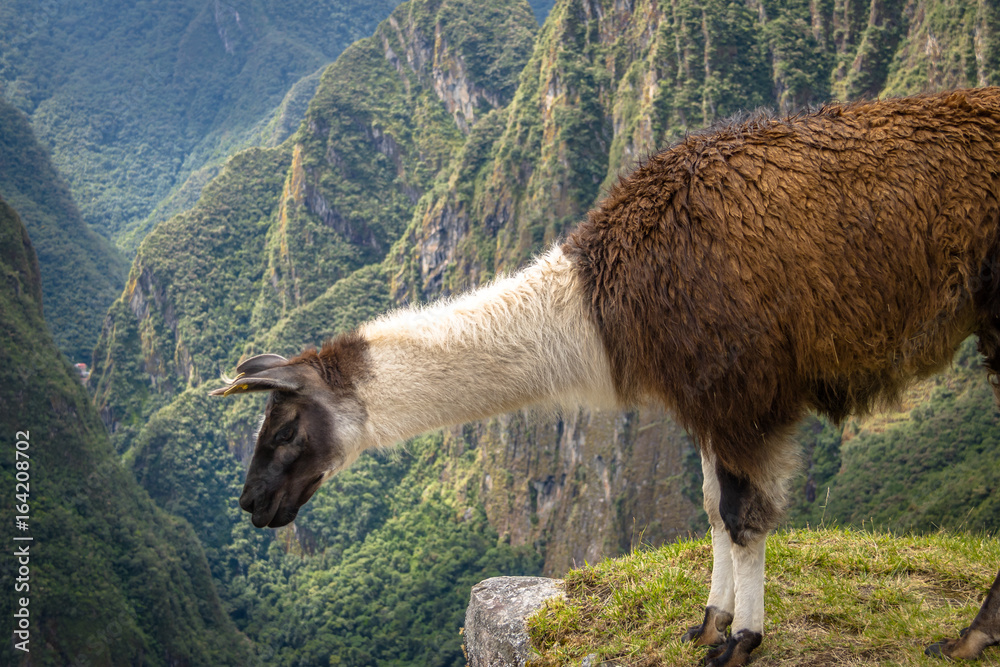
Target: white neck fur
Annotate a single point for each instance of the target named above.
(522, 340)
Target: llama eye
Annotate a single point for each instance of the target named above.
(285, 434)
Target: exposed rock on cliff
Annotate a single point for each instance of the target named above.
(588, 484)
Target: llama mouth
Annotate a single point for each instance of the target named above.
(266, 516)
(282, 516)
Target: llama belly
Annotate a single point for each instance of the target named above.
(877, 378)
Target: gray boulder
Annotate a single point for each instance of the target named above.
(495, 634)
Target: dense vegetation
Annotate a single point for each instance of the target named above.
(605, 86)
(446, 148)
(285, 246)
(395, 189)
(81, 272)
(386, 557)
(113, 578)
(134, 97)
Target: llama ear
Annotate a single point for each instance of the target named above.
(244, 384)
(265, 372)
(261, 362)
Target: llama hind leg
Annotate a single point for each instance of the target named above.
(722, 597)
(984, 631)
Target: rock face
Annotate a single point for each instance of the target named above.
(587, 484)
(495, 634)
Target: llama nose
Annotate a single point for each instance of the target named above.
(246, 500)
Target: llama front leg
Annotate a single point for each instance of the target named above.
(984, 631)
(748, 619)
(722, 597)
(742, 512)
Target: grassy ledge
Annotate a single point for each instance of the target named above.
(833, 597)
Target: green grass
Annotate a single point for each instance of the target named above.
(833, 597)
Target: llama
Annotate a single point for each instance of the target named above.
(741, 277)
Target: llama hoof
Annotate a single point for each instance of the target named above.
(937, 649)
(696, 634)
(712, 630)
(968, 646)
(736, 651)
(942, 649)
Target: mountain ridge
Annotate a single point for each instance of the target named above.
(131, 99)
(82, 273)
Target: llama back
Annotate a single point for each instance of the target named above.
(820, 261)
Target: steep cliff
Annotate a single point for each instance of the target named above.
(132, 98)
(110, 578)
(284, 247)
(607, 83)
(187, 304)
(586, 485)
(263, 241)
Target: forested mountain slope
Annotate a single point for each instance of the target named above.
(446, 149)
(930, 463)
(82, 273)
(286, 245)
(113, 579)
(133, 97)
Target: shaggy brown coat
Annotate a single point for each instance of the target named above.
(820, 261)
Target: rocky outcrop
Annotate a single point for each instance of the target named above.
(458, 91)
(227, 22)
(445, 66)
(495, 633)
(585, 485)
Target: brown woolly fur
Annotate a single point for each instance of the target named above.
(820, 261)
(342, 362)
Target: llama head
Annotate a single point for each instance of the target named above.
(308, 433)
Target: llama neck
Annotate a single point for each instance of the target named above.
(526, 339)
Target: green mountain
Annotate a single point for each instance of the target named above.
(606, 86)
(82, 273)
(132, 98)
(111, 578)
(279, 226)
(441, 151)
(602, 90)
